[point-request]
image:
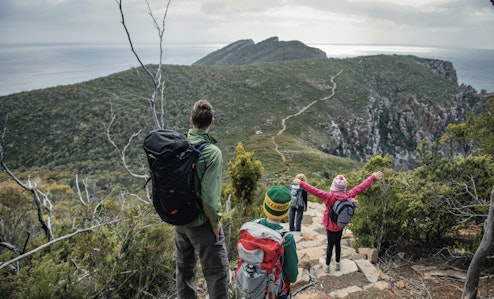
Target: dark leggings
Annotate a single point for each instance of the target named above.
(334, 239)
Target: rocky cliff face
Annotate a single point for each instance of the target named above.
(399, 129)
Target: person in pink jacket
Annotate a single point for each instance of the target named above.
(338, 191)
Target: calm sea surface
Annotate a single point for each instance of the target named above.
(35, 66)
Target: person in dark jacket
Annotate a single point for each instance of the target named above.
(298, 204)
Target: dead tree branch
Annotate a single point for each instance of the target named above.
(122, 153)
(157, 81)
(20, 257)
(11, 247)
(471, 284)
(4, 128)
(158, 84)
(35, 194)
(79, 189)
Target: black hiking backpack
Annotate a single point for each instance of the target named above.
(172, 159)
(342, 211)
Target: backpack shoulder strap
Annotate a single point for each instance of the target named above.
(282, 232)
(335, 204)
(198, 147)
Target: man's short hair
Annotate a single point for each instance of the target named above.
(202, 114)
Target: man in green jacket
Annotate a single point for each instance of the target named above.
(203, 237)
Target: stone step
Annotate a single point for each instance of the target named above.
(311, 245)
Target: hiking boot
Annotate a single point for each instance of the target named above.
(322, 263)
(337, 266)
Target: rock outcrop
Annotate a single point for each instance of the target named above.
(270, 50)
(399, 128)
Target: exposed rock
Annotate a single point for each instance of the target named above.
(313, 294)
(368, 269)
(304, 262)
(428, 272)
(400, 128)
(358, 257)
(370, 253)
(440, 67)
(303, 279)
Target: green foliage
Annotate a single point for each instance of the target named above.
(130, 258)
(62, 128)
(370, 223)
(50, 278)
(17, 215)
(244, 174)
(474, 133)
(483, 129)
(460, 136)
(423, 207)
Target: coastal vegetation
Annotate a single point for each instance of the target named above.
(64, 183)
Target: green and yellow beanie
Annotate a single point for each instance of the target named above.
(277, 202)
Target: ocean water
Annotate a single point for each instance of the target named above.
(35, 66)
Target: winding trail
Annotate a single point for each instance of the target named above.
(283, 121)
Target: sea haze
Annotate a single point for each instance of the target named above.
(34, 66)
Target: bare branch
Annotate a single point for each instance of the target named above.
(34, 192)
(97, 206)
(161, 31)
(156, 80)
(20, 257)
(119, 2)
(5, 127)
(11, 247)
(48, 207)
(478, 260)
(126, 193)
(122, 153)
(79, 189)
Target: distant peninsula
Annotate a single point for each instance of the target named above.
(245, 51)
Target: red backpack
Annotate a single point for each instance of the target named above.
(259, 272)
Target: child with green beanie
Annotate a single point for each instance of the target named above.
(276, 207)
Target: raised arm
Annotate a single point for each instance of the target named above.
(321, 194)
(365, 184)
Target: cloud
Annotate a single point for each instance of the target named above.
(414, 22)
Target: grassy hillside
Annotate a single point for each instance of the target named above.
(62, 128)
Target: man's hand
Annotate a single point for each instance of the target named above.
(216, 231)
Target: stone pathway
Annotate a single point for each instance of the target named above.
(311, 245)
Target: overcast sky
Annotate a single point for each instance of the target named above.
(458, 23)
